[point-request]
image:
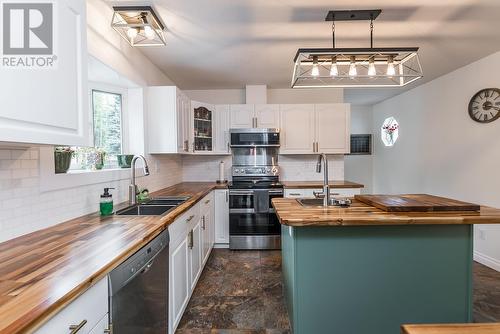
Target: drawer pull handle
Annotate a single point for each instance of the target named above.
(76, 328)
(207, 201)
(190, 240)
(294, 194)
(190, 218)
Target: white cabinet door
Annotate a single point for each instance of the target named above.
(162, 124)
(221, 223)
(333, 128)
(195, 247)
(206, 235)
(202, 127)
(242, 116)
(267, 116)
(49, 105)
(222, 123)
(88, 309)
(179, 283)
(102, 327)
(297, 128)
(181, 120)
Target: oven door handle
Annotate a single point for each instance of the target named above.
(240, 192)
(251, 211)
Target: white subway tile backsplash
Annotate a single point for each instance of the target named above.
(24, 208)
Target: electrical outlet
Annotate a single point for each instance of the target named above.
(482, 234)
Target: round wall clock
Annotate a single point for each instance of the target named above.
(484, 107)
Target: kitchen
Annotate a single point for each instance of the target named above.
(227, 223)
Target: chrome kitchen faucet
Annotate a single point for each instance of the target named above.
(132, 188)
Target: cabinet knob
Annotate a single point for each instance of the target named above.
(190, 218)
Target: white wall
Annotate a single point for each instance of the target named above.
(24, 207)
(441, 150)
(358, 168)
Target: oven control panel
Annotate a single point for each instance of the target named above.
(255, 171)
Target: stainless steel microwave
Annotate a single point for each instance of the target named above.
(255, 137)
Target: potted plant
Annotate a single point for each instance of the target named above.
(62, 159)
(100, 157)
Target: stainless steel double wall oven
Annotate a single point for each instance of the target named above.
(252, 220)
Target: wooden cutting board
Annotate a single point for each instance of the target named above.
(416, 203)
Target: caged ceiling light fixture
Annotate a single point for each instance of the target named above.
(139, 25)
(355, 67)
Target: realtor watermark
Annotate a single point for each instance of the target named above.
(28, 35)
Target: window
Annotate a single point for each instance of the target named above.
(107, 113)
(107, 110)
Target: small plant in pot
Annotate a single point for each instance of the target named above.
(62, 159)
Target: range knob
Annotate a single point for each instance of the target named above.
(275, 170)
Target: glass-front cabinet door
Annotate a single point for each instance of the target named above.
(202, 126)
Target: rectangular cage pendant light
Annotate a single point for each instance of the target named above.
(355, 67)
(139, 25)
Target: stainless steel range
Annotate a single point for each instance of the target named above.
(252, 221)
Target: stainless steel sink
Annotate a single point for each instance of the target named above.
(339, 202)
(172, 200)
(145, 210)
(154, 207)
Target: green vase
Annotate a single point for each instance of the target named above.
(62, 161)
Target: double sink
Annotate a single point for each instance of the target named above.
(154, 207)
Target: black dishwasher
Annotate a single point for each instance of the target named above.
(139, 290)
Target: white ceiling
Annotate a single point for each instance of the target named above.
(214, 44)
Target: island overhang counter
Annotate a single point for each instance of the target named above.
(363, 270)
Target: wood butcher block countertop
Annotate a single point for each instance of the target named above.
(493, 328)
(44, 271)
(319, 184)
(291, 213)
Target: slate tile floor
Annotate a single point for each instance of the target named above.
(239, 292)
(486, 294)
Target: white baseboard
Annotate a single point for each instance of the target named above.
(221, 245)
(486, 260)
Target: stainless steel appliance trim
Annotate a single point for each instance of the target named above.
(240, 192)
(255, 242)
(254, 130)
(267, 145)
(241, 210)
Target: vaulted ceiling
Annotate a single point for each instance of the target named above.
(215, 44)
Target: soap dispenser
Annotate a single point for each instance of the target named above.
(106, 204)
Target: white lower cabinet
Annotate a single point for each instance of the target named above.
(221, 217)
(194, 245)
(303, 193)
(188, 254)
(102, 327)
(86, 312)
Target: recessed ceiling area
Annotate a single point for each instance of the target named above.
(220, 44)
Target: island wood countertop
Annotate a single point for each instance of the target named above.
(319, 184)
(490, 328)
(291, 213)
(42, 272)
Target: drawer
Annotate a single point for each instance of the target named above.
(87, 311)
(300, 193)
(206, 203)
(182, 225)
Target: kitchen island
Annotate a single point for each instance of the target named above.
(363, 270)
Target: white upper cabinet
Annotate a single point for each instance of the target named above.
(222, 123)
(203, 129)
(320, 128)
(165, 119)
(49, 105)
(242, 116)
(332, 128)
(184, 122)
(297, 128)
(267, 116)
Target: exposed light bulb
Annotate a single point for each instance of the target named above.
(391, 70)
(315, 69)
(149, 32)
(352, 68)
(132, 33)
(334, 71)
(371, 68)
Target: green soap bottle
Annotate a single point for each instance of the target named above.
(106, 204)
